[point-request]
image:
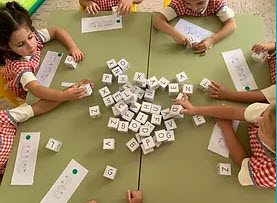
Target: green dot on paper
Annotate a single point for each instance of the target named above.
(247, 88)
(74, 171)
(59, 54)
(118, 21)
(28, 137)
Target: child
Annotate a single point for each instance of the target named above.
(260, 169)
(20, 49)
(132, 196)
(9, 120)
(266, 95)
(94, 6)
(198, 8)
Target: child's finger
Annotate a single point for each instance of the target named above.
(97, 7)
(91, 11)
(204, 53)
(215, 84)
(199, 51)
(128, 196)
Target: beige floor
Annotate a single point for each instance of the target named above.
(265, 8)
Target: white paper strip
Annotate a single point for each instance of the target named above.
(48, 68)
(192, 31)
(217, 141)
(239, 70)
(25, 164)
(67, 84)
(101, 23)
(66, 184)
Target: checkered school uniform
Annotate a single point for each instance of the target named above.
(106, 5)
(262, 165)
(14, 69)
(7, 134)
(181, 9)
(272, 67)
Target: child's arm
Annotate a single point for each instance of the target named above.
(65, 38)
(220, 92)
(228, 27)
(223, 111)
(70, 94)
(160, 23)
(237, 151)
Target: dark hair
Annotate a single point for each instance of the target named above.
(12, 17)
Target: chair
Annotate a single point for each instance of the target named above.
(166, 3)
(7, 94)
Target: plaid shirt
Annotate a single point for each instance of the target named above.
(272, 68)
(7, 134)
(262, 164)
(181, 9)
(14, 69)
(106, 5)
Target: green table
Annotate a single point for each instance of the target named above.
(182, 171)
(71, 124)
(185, 171)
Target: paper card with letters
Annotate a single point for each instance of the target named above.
(66, 184)
(25, 163)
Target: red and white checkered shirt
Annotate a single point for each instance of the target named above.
(14, 69)
(7, 134)
(181, 9)
(106, 5)
(272, 68)
(262, 165)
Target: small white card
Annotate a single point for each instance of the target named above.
(26, 158)
(239, 70)
(67, 84)
(48, 68)
(192, 31)
(66, 184)
(217, 142)
(101, 23)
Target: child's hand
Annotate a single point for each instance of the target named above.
(218, 91)
(93, 8)
(77, 54)
(203, 46)
(181, 39)
(124, 7)
(133, 196)
(74, 93)
(264, 47)
(188, 107)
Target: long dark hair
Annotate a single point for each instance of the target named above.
(12, 17)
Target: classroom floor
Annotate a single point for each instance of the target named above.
(265, 8)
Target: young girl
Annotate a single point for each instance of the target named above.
(94, 6)
(10, 119)
(132, 196)
(20, 49)
(266, 95)
(260, 169)
(198, 8)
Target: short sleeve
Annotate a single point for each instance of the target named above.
(254, 111)
(270, 93)
(26, 78)
(44, 35)
(225, 13)
(169, 13)
(21, 113)
(244, 174)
